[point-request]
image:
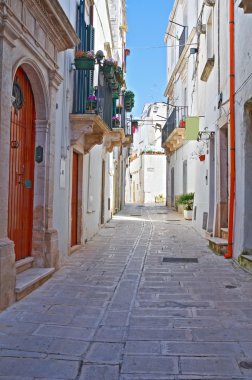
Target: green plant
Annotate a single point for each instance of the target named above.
(186, 200)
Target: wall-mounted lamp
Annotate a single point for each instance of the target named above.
(194, 51)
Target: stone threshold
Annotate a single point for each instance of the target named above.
(30, 280)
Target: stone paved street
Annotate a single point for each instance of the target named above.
(116, 311)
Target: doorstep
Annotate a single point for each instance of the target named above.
(30, 280)
(24, 264)
(224, 233)
(218, 245)
(245, 261)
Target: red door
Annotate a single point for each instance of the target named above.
(74, 203)
(21, 176)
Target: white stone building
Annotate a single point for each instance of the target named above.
(146, 173)
(243, 128)
(56, 174)
(199, 78)
(198, 81)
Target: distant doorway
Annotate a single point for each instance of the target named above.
(172, 188)
(103, 193)
(185, 177)
(224, 182)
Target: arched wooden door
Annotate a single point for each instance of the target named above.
(21, 176)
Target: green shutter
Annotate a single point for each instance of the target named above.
(90, 35)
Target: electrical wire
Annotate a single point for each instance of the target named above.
(243, 84)
(157, 46)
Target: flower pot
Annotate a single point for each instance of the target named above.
(202, 157)
(84, 63)
(188, 214)
(91, 106)
(182, 124)
(115, 124)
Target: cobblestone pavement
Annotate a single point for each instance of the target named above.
(116, 311)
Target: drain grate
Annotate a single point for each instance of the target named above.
(246, 364)
(230, 286)
(180, 260)
(135, 215)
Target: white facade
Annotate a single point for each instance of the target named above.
(198, 80)
(146, 175)
(243, 126)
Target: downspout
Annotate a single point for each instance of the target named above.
(229, 253)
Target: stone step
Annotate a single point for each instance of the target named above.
(31, 279)
(224, 233)
(208, 235)
(24, 264)
(246, 261)
(218, 245)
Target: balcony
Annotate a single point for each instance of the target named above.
(174, 130)
(89, 127)
(116, 137)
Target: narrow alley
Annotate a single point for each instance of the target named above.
(144, 299)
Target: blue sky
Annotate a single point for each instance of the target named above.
(146, 68)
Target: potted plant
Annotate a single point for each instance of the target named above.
(159, 198)
(91, 104)
(84, 60)
(129, 100)
(115, 122)
(109, 66)
(184, 203)
(188, 211)
(119, 76)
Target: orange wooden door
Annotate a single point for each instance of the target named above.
(21, 175)
(74, 203)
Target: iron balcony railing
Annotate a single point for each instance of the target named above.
(104, 99)
(175, 120)
(169, 126)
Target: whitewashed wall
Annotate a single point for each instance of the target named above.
(243, 208)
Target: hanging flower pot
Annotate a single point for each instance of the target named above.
(202, 157)
(84, 60)
(182, 124)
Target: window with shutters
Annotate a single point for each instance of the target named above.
(84, 79)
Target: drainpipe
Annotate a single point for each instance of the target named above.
(229, 253)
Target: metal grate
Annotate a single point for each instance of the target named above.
(180, 260)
